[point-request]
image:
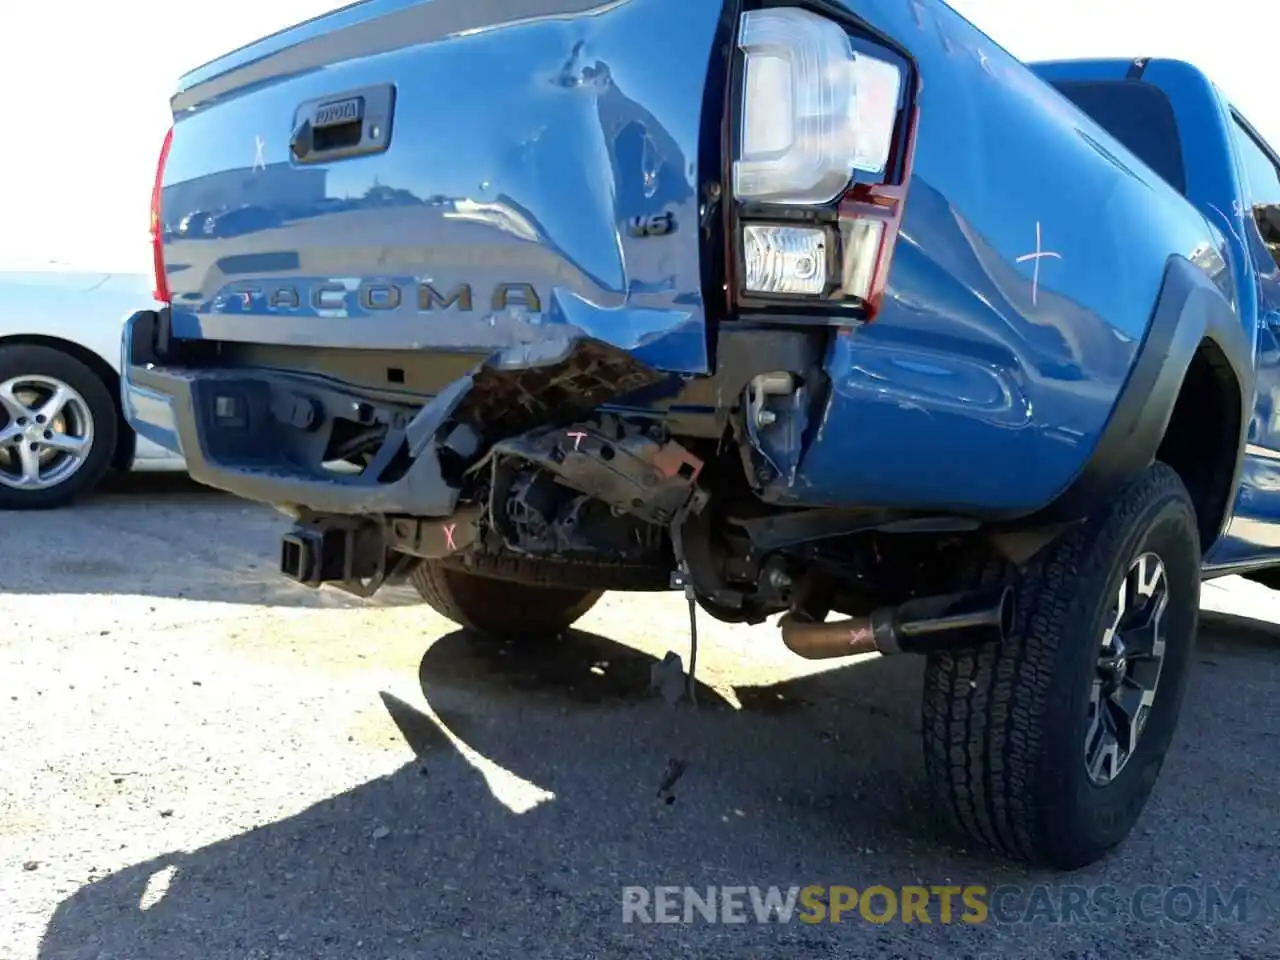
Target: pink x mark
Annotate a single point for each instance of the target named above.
(448, 535)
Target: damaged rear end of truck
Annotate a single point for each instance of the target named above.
(784, 305)
(449, 281)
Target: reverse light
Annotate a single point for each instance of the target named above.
(785, 260)
(161, 291)
(814, 109)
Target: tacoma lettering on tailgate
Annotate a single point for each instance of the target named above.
(384, 295)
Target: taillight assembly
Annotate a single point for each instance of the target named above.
(161, 291)
(821, 164)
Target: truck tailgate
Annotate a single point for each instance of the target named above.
(461, 175)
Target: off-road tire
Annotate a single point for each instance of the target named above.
(22, 359)
(500, 608)
(1004, 724)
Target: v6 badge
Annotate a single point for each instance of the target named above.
(654, 225)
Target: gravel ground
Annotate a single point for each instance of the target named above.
(202, 761)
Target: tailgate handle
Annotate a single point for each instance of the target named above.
(352, 124)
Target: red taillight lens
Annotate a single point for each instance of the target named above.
(161, 291)
(827, 122)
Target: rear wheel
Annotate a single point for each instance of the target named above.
(58, 428)
(1047, 746)
(502, 608)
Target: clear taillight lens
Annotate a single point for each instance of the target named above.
(814, 110)
(787, 260)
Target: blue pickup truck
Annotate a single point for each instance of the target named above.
(833, 310)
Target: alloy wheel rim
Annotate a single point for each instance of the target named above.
(46, 432)
(1127, 673)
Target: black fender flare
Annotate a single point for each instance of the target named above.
(1190, 312)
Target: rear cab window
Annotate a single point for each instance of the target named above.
(1137, 114)
(1141, 117)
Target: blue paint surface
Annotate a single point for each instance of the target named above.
(519, 154)
(1212, 141)
(1032, 252)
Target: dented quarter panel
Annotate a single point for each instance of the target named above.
(541, 187)
(527, 136)
(989, 375)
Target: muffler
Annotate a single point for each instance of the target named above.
(923, 625)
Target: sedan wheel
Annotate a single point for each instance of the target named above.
(49, 433)
(58, 427)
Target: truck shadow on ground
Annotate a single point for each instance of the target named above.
(533, 797)
(174, 485)
(163, 535)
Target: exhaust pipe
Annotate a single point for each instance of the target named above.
(923, 625)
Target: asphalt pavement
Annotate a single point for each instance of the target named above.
(203, 761)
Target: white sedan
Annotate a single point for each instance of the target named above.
(61, 428)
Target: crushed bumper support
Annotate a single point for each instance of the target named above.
(264, 434)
